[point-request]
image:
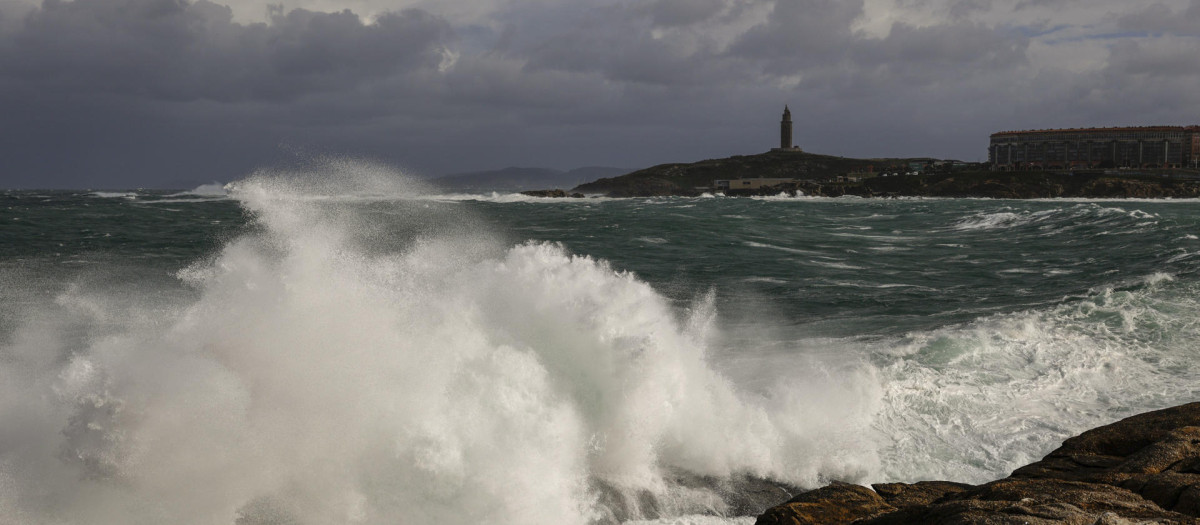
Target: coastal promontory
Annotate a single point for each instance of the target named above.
(803, 173)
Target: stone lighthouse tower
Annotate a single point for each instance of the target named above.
(785, 129)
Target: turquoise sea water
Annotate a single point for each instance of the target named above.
(348, 348)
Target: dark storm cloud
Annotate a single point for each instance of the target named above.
(153, 92)
(175, 50)
(146, 91)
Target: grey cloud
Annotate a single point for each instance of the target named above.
(966, 46)
(630, 58)
(1159, 18)
(175, 50)
(1034, 4)
(815, 38)
(672, 13)
(1165, 59)
(964, 9)
(619, 45)
(805, 31)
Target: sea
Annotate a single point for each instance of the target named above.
(340, 343)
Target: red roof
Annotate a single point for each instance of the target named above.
(1092, 130)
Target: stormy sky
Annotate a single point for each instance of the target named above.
(162, 93)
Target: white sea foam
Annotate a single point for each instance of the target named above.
(114, 194)
(767, 280)
(212, 189)
(694, 520)
(781, 248)
(509, 198)
(989, 221)
(780, 197)
(651, 240)
(319, 377)
(835, 265)
(879, 286)
(973, 402)
(1058, 218)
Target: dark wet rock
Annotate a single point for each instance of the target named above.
(737, 496)
(835, 503)
(904, 495)
(1081, 499)
(748, 496)
(1132, 434)
(556, 193)
(1140, 470)
(1170, 490)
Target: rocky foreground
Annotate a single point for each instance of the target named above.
(1141, 470)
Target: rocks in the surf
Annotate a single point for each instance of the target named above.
(835, 503)
(1143, 469)
(690, 494)
(556, 193)
(545, 193)
(266, 511)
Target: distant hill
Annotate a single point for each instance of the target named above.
(518, 179)
(685, 178)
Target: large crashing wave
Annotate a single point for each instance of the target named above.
(327, 373)
(365, 353)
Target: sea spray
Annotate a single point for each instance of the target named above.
(323, 373)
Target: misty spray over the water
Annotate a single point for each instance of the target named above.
(360, 355)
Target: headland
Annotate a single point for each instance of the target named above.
(803, 173)
(1128, 162)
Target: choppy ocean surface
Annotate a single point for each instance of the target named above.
(345, 346)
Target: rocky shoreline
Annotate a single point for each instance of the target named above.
(1000, 185)
(1141, 470)
(829, 176)
(995, 185)
(552, 194)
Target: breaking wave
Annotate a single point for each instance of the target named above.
(212, 189)
(366, 351)
(322, 373)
